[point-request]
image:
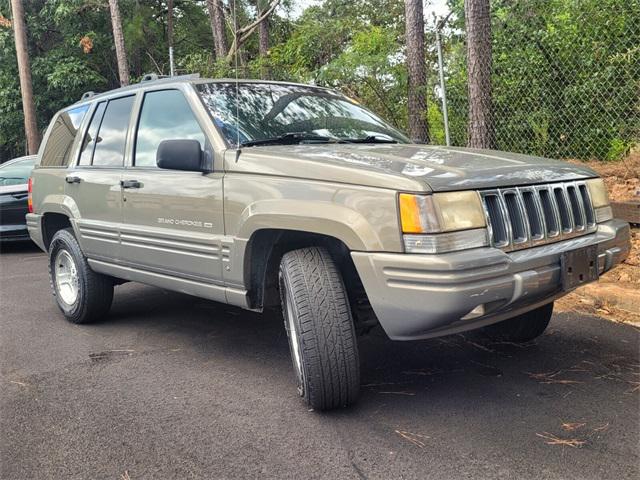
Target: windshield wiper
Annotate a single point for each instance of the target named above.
(291, 138)
(369, 139)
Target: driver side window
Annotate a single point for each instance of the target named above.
(165, 115)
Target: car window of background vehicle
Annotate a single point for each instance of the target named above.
(16, 173)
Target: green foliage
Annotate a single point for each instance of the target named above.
(353, 46)
(566, 73)
(371, 69)
(566, 77)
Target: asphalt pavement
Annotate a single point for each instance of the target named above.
(175, 387)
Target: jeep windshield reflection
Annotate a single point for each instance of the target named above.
(251, 114)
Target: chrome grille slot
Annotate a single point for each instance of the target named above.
(493, 205)
(576, 208)
(516, 218)
(529, 216)
(586, 202)
(536, 227)
(549, 212)
(563, 210)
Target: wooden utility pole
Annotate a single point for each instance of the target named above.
(24, 71)
(263, 39)
(217, 21)
(118, 39)
(480, 129)
(417, 103)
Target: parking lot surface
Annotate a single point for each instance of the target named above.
(172, 386)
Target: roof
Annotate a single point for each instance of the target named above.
(192, 79)
(19, 159)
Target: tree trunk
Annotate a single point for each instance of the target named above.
(170, 23)
(242, 34)
(480, 130)
(263, 41)
(417, 105)
(24, 71)
(118, 39)
(216, 18)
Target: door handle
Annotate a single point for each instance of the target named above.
(73, 179)
(130, 184)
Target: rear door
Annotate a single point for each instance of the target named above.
(172, 220)
(94, 183)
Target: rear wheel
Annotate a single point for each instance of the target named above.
(83, 295)
(320, 329)
(522, 328)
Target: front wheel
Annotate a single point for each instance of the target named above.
(522, 328)
(320, 329)
(83, 295)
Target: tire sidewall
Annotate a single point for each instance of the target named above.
(64, 240)
(285, 292)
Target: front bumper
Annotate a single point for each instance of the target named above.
(423, 296)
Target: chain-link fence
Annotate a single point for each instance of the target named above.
(565, 78)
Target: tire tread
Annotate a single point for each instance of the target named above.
(96, 289)
(326, 328)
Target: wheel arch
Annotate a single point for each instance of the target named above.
(264, 252)
(341, 222)
(52, 222)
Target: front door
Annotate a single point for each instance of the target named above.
(172, 220)
(94, 183)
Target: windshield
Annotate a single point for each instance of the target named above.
(17, 172)
(254, 113)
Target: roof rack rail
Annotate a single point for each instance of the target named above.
(88, 94)
(152, 77)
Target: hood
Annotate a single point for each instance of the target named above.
(406, 167)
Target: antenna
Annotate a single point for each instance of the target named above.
(237, 47)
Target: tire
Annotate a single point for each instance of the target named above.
(69, 272)
(522, 328)
(320, 328)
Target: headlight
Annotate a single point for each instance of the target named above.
(442, 222)
(598, 192)
(441, 212)
(599, 199)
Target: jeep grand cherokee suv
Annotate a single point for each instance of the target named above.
(262, 194)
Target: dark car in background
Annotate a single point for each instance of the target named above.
(14, 198)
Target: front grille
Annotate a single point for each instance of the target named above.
(523, 217)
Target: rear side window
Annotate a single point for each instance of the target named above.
(89, 142)
(57, 151)
(111, 138)
(165, 115)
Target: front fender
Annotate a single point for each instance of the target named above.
(339, 221)
(362, 218)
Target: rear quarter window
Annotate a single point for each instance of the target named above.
(57, 151)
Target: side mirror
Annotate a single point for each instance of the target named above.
(180, 155)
